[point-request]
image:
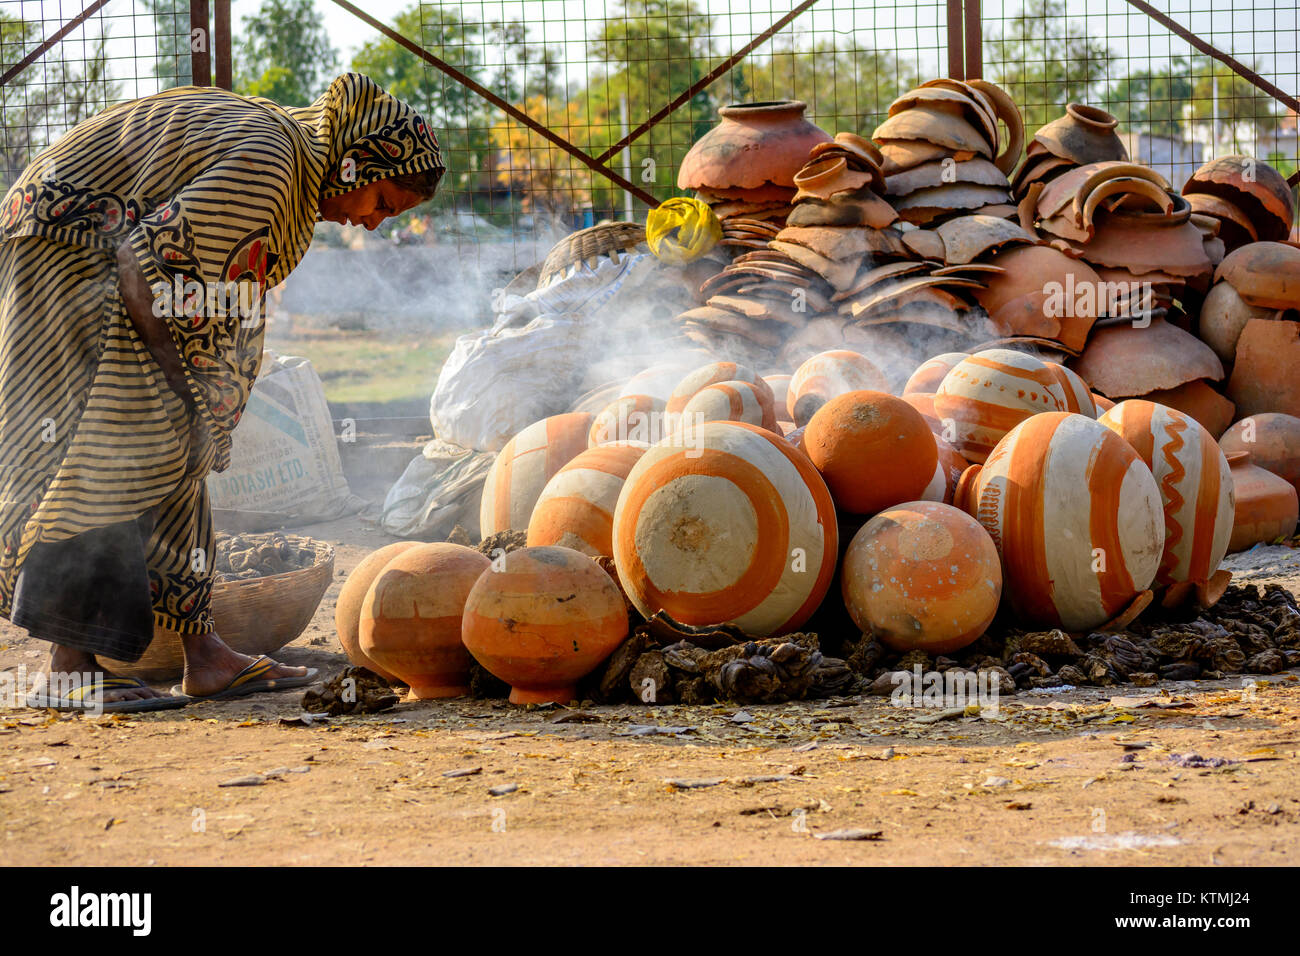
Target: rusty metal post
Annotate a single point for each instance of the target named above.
(956, 63)
(200, 44)
(973, 33)
(221, 67)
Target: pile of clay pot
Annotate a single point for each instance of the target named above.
(712, 533)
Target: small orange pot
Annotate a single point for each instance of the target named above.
(542, 620)
(347, 609)
(1267, 506)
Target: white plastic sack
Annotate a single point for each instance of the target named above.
(284, 459)
(439, 489)
(497, 383)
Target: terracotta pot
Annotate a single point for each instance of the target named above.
(780, 386)
(990, 392)
(1200, 401)
(347, 609)
(967, 103)
(1265, 274)
(410, 621)
(1274, 444)
(630, 418)
(930, 124)
(726, 402)
(922, 576)
(1255, 187)
(1124, 361)
(967, 238)
(1083, 135)
(1235, 229)
(1267, 506)
(905, 154)
(1007, 111)
(705, 529)
(1264, 376)
(930, 373)
(542, 621)
(1042, 292)
(1223, 315)
(1076, 517)
(755, 144)
(874, 450)
(947, 470)
(828, 374)
(657, 381)
(1073, 391)
(1195, 487)
(525, 465)
(712, 374)
(576, 508)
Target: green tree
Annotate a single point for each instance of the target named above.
(47, 98)
(1045, 60)
(171, 20)
(284, 53)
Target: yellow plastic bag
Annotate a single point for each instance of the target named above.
(680, 230)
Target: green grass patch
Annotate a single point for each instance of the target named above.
(369, 366)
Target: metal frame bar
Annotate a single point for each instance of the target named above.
(687, 94)
(956, 62)
(973, 33)
(222, 73)
(41, 50)
(201, 60)
(500, 103)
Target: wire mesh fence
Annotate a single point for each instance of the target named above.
(631, 84)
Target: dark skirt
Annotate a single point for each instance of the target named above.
(90, 591)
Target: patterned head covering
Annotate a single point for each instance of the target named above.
(367, 135)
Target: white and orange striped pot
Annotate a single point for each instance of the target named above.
(780, 386)
(712, 374)
(989, 393)
(922, 576)
(630, 418)
(525, 465)
(541, 619)
(726, 522)
(1073, 391)
(657, 381)
(1195, 488)
(828, 375)
(1076, 517)
(576, 508)
(947, 473)
(726, 402)
(931, 372)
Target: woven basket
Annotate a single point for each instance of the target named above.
(253, 616)
(588, 245)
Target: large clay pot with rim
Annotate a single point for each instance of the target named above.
(410, 621)
(1273, 441)
(347, 609)
(756, 144)
(1255, 187)
(542, 621)
(1267, 506)
(1085, 134)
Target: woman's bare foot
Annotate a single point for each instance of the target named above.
(72, 668)
(210, 665)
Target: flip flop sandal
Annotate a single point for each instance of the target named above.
(250, 681)
(75, 699)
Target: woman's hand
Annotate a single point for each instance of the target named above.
(139, 301)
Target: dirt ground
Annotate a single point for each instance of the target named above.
(1085, 776)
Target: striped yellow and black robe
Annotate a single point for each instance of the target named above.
(207, 187)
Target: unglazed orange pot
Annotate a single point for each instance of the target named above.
(347, 610)
(1273, 441)
(873, 449)
(756, 144)
(1267, 506)
(541, 620)
(410, 621)
(922, 576)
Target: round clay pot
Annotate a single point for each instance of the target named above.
(1274, 443)
(726, 402)
(1195, 486)
(525, 465)
(542, 621)
(828, 374)
(712, 374)
(1083, 135)
(1265, 274)
(1223, 315)
(947, 473)
(930, 373)
(986, 394)
(347, 609)
(873, 449)
(629, 418)
(1267, 506)
(754, 145)
(1264, 375)
(657, 381)
(731, 524)
(1198, 399)
(922, 576)
(1076, 517)
(410, 621)
(576, 508)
